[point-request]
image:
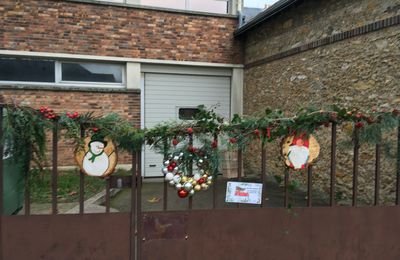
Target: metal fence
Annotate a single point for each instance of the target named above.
(141, 236)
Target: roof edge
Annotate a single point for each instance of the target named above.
(266, 14)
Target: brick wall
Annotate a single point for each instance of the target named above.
(126, 104)
(81, 28)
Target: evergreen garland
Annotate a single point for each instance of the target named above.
(25, 129)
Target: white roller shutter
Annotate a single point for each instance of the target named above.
(164, 94)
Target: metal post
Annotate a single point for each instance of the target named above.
(309, 186)
(82, 184)
(191, 171)
(133, 227)
(286, 199)
(263, 172)
(355, 165)
(377, 173)
(1, 181)
(333, 165)
(54, 170)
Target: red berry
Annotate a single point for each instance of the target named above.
(190, 130)
(269, 132)
(370, 120)
(359, 124)
(191, 149)
(175, 142)
(359, 115)
(214, 144)
(95, 129)
(232, 140)
(257, 132)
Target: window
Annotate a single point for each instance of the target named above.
(188, 113)
(12, 69)
(91, 72)
(59, 73)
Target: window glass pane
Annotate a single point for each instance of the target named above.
(13, 69)
(92, 72)
(188, 113)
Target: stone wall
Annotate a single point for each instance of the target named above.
(82, 28)
(361, 71)
(126, 104)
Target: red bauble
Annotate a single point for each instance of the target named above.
(190, 130)
(201, 181)
(214, 144)
(183, 193)
(191, 149)
(173, 164)
(170, 168)
(174, 142)
(232, 140)
(95, 129)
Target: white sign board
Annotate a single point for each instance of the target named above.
(243, 192)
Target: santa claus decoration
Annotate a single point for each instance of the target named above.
(299, 151)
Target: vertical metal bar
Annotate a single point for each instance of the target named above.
(355, 165)
(1, 181)
(107, 195)
(377, 172)
(263, 172)
(309, 186)
(139, 204)
(333, 165)
(286, 199)
(133, 227)
(54, 170)
(239, 165)
(27, 190)
(398, 167)
(165, 195)
(215, 193)
(190, 206)
(82, 184)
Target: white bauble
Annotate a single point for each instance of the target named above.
(169, 176)
(177, 179)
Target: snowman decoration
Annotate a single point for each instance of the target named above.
(299, 151)
(97, 158)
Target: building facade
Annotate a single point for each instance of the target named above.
(145, 64)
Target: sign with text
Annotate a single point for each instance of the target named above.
(243, 192)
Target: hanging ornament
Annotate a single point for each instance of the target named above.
(176, 172)
(299, 151)
(97, 157)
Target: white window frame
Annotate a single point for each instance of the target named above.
(58, 70)
(60, 83)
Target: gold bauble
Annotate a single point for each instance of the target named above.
(194, 183)
(184, 179)
(209, 182)
(204, 186)
(197, 187)
(205, 176)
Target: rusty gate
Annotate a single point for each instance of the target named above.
(332, 232)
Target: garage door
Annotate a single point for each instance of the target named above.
(165, 94)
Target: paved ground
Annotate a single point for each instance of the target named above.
(152, 200)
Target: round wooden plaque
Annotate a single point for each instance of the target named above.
(97, 157)
(299, 151)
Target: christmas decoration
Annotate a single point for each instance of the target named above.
(97, 157)
(178, 172)
(299, 151)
